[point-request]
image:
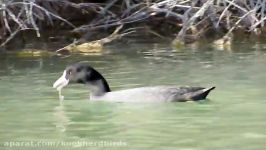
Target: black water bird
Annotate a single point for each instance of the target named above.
(99, 89)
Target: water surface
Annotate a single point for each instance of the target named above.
(232, 118)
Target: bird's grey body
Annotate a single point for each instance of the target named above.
(151, 94)
(100, 91)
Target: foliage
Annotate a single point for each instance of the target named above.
(190, 17)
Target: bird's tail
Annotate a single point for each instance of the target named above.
(202, 94)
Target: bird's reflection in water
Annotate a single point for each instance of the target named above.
(61, 119)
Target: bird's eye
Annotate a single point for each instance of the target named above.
(79, 69)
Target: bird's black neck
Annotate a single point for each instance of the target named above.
(97, 83)
(98, 87)
(105, 85)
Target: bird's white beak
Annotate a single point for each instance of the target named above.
(61, 82)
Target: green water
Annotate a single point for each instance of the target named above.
(232, 118)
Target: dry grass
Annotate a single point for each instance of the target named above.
(189, 16)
